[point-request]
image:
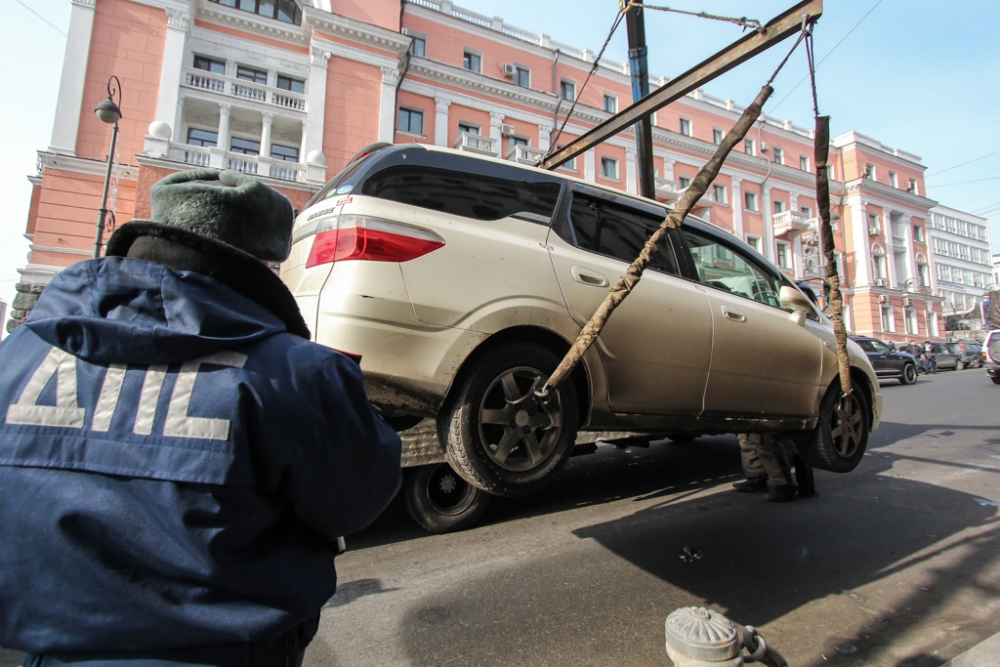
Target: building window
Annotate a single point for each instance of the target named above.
(467, 128)
(412, 121)
(784, 255)
(686, 127)
(717, 136)
(245, 146)
(472, 62)
(804, 162)
(911, 321)
(205, 138)
(567, 90)
(749, 146)
(683, 182)
(610, 103)
(830, 172)
(251, 74)
(912, 187)
(779, 206)
(209, 65)
(522, 77)
(750, 201)
(893, 181)
(888, 323)
(878, 265)
(609, 168)
(779, 155)
(418, 47)
(293, 85)
(719, 193)
(282, 10)
(754, 242)
(918, 234)
(870, 172)
(808, 211)
(873, 225)
(517, 141)
(285, 153)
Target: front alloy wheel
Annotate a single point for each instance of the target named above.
(909, 374)
(841, 436)
(847, 430)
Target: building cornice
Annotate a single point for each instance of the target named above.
(868, 188)
(355, 31)
(322, 48)
(243, 20)
(82, 165)
(854, 139)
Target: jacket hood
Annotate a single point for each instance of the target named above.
(118, 310)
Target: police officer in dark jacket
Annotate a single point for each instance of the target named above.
(177, 460)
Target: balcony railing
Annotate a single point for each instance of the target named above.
(203, 156)
(525, 154)
(475, 143)
(247, 90)
(789, 222)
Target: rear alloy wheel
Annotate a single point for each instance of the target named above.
(440, 500)
(497, 436)
(909, 374)
(841, 437)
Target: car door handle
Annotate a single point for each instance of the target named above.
(734, 315)
(588, 277)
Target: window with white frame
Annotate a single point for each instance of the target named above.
(567, 90)
(911, 321)
(888, 319)
(719, 193)
(870, 172)
(467, 128)
(779, 155)
(683, 182)
(912, 188)
(873, 224)
(754, 242)
(778, 205)
(472, 61)
(878, 263)
(805, 209)
(522, 77)
(750, 201)
(418, 47)
(717, 136)
(749, 147)
(893, 179)
(609, 168)
(411, 120)
(685, 128)
(918, 233)
(784, 254)
(804, 162)
(610, 103)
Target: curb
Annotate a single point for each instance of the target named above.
(984, 654)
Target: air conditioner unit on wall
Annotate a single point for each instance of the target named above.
(908, 302)
(881, 282)
(874, 231)
(882, 298)
(509, 70)
(764, 147)
(506, 130)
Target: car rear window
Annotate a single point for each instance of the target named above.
(457, 185)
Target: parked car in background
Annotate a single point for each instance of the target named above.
(991, 355)
(947, 358)
(462, 280)
(887, 362)
(970, 353)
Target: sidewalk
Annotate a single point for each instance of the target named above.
(984, 654)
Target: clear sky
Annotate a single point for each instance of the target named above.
(920, 75)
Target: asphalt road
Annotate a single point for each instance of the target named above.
(896, 563)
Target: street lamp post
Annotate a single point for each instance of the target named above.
(108, 112)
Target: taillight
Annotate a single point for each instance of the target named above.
(358, 237)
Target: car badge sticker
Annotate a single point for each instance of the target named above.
(345, 200)
(547, 247)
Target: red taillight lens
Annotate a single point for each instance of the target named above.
(373, 240)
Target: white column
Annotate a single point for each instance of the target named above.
(74, 75)
(441, 121)
(167, 108)
(736, 198)
(797, 263)
(862, 244)
(589, 170)
(217, 157)
(266, 118)
(387, 105)
(544, 133)
(765, 215)
(496, 120)
(631, 175)
(668, 169)
(890, 251)
(793, 202)
(316, 102)
(911, 253)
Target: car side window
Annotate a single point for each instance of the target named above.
(615, 231)
(726, 269)
(463, 188)
(880, 347)
(865, 345)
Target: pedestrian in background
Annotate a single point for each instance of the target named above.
(931, 357)
(177, 460)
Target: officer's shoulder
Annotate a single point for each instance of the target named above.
(304, 356)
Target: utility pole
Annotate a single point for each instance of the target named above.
(636, 25)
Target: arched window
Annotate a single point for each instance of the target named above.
(878, 263)
(923, 271)
(281, 10)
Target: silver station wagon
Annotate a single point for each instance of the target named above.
(461, 280)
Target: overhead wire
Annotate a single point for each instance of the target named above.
(49, 23)
(597, 62)
(828, 53)
(960, 165)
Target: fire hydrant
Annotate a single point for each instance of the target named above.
(699, 637)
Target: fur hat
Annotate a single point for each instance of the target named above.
(227, 207)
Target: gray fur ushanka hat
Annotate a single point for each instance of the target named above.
(226, 207)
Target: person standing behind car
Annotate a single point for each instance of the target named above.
(766, 456)
(930, 356)
(178, 461)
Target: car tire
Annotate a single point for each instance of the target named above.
(995, 379)
(909, 375)
(440, 500)
(833, 447)
(501, 447)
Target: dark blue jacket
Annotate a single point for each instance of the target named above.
(174, 466)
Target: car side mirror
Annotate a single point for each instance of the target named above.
(795, 301)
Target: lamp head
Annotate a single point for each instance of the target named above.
(108, 112)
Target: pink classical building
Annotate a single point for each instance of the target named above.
(290, 89)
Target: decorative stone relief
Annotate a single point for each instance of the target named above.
(390, 75)
(319, 57)
(496, 118)
(178, 19)
(89, 4)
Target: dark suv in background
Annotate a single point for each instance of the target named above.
(887, 362)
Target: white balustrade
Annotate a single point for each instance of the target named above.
(246, 90)
(200, 156)
(789, 222)
(194, 155)
(525, 154)
(475, 143)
